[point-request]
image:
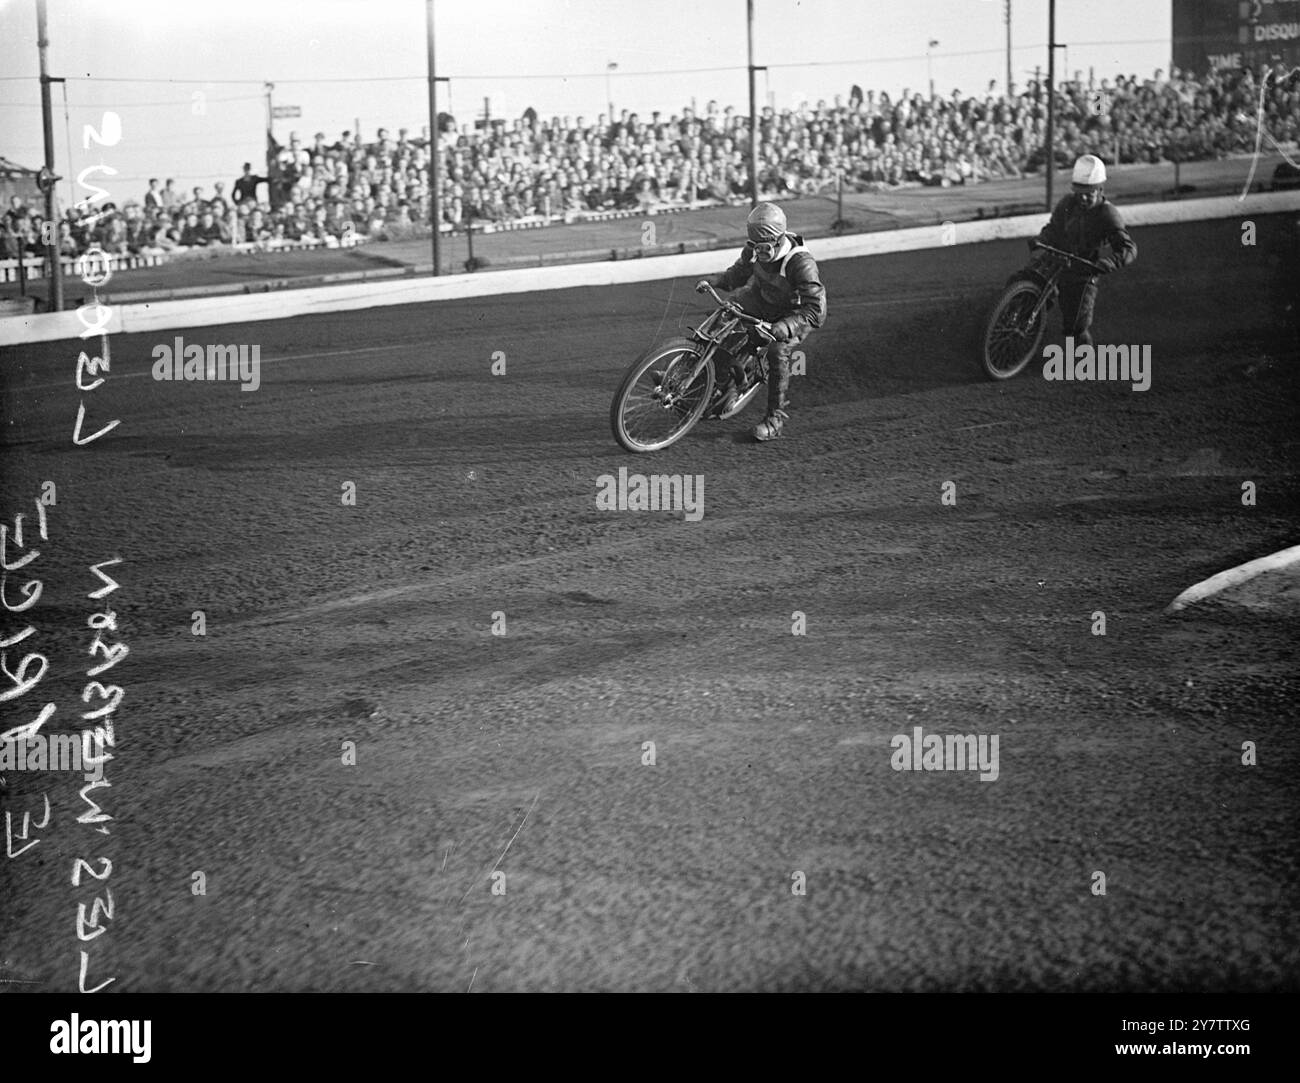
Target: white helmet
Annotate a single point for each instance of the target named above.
(1089, 169)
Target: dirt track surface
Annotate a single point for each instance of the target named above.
(523, 753)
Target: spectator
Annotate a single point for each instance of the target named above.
(190, 237)
(166, 236)
(113, 235)
(209, 231)
(68, 247)
(294, 158)
(33, 237)
(227, 227)
(246, 185)
(256, 230)
(137, 228)
(298, 227)
(11, 241)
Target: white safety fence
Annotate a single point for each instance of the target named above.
(247, 308)
(73, 266)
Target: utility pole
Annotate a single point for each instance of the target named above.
(277, 190)
(753, 109)
(435, 155)
(1008, 22)
(48, 176)
(1051, 99)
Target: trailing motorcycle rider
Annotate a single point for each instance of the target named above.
(1086, 224)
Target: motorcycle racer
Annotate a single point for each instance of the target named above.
(777, 280)
(1084, 223)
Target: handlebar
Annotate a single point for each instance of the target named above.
(761, 326)
(1070, 257)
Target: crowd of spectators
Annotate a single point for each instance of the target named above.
(167, 220)
(1182, 118)
(528, 168)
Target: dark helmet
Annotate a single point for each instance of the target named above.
(766, 223)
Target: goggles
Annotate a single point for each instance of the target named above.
(764, 251)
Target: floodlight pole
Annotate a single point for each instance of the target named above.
(1008, 20)
(1051, 99)
(753, 109)
(435, 200)
(55, 300)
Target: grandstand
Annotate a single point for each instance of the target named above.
(532, 172)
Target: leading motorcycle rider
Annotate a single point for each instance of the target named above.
(781, 286)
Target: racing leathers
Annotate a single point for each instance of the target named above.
(788, 293)
(1095, 233)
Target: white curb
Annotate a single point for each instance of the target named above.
(1232, 577)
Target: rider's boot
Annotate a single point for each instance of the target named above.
(770, 427)
(778, 386)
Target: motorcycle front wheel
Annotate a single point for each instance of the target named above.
(657, 402)
(1013, 333)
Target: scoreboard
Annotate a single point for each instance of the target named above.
(1235, 34)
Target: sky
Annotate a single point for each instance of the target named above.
(187, 77)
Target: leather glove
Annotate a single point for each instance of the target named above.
(782, 331)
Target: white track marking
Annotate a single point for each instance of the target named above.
(1234, 576)
(498, 861)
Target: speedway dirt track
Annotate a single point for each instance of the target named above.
(325, 623)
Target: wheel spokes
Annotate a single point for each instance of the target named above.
(659, 405)
(1012, 335)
